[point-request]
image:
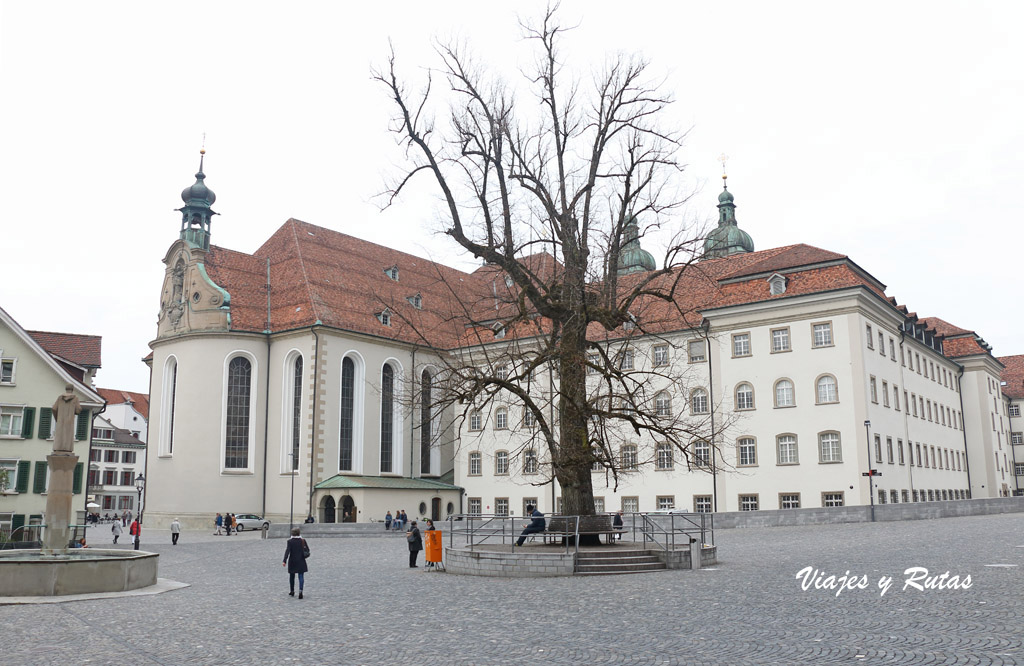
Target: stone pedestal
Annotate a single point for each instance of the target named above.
(58, 502)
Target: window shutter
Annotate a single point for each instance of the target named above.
(24, 468)
(45, 422)
(27, 421)
(82, 427)
(17, 520)
(76, 486)
(39, 484)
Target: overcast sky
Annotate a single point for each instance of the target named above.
(887, 131)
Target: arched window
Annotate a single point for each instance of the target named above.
(529, 418)
(501, 462)
(296, 411)
(387, 416)
(475, 420)
(784, 393)
(787, 451)
(827, 390)
(628, 456)
(530, 462)
(426, 420)
(347, 414)
(699, 401)
(500, 418)
(744, 396)
(829, 448)
(168, 399)
(746, 451)
(663, 404)
(238, 426)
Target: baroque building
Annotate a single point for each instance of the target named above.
(300, 375)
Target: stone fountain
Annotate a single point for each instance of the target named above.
(55, 569)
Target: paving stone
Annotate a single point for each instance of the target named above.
(365, 606)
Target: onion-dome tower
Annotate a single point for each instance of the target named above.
(196, 213)
(727, 238)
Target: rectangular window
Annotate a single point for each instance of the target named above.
(899, 450)
(593, 362)
(789, 501)
(885, 394)
(7, 370)
(746, 451)
(896, 397)
(881, 343)
(1014, 409)
(888, 448)
(832, 499)
(1018, 469)
(780, 340)
(913, 402)
(630, 505)
(475, 421)
(664, 460)
(660, 355)
(905, 495)
(874, 390)
(829, 448)
(870, 337)
(530, 462)
(748, 503)
(917, 358)
(628, 457)
(822, 334)
(473, 507)
(501, 506)
(126, 478)
(701, 452)
(919, 463)
(530, 501)
(10, 421)
(878, 448)
(626, 360)
(124, 502)
(96, 455)
(741, 344)
(109, 477)
(787, 450)
(702, 503)
(696, 351)
(892, 349)
(666, 502)
(8, 475)
(599, 505)
(110, 456)
(501, 462)
(128, 457)
(881, 496)
(1016, 438)
(474, 463)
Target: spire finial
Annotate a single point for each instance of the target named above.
(202, 153)
(723, 158)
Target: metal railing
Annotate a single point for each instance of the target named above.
(474, 530)
(667, 530)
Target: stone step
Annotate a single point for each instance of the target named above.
(591, 569)
(617, 561)
(600, 554)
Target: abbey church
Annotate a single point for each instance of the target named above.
(296, 381)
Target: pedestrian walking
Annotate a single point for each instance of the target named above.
(415, 540)
(124, 519)
(227, 524)
(234, 523)
(115, 529)
(175, 531)
(135, 530)
(219, 522)
(296, 550)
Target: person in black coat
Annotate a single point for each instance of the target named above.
(295, 560)
(415, 540)
(537, 524)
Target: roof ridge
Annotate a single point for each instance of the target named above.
(305, 274)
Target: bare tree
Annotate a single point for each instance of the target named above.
(550, 193)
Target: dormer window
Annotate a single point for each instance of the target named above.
(630, 324)
(508, 281)
(499, 331)
(392, 272)
(417, 301)
(776, 285)
(385, 317)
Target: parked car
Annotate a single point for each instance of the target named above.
(250, 521)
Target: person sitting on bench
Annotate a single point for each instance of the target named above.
(536, 525)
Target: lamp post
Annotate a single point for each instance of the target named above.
(140, 485)
(871, 472)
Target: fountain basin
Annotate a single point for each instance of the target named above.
(32, 574)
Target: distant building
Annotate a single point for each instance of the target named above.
(127, 410)
(117, 458)
(35, 366)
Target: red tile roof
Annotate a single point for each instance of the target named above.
(83, 350)
(1013, 375)
(140, 401)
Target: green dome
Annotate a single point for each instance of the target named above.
(725, 196)
(632, 257)
(726, 240)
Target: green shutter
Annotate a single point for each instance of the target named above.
(45, 422)
(27, 421)
(24, 468)
(76, 486)
(39, 484)
(82, 427)
(18, 520)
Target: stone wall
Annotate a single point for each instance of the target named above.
(680, 558)
(862, 514)
(508, 565)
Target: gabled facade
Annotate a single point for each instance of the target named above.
(34, 369)
(116, 459)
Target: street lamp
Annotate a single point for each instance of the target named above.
(140, 485)
(870, 472)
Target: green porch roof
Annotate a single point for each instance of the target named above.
(387, 482)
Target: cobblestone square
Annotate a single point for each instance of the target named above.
(365, 606)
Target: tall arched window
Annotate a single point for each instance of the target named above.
(784, 393)
(347, 414)
(296, 411)
(827, 389)
(167, 413)
(387, 416)
(236, 440)
(663, 404)
(744, 396)
(426, 420)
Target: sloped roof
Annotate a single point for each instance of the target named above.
(958, 342)
(386, 482)
(943, 327)
(83, 350)
(140, 401)
(1013, 375)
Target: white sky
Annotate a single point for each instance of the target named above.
(890, 132)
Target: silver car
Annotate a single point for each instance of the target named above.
(250, 521)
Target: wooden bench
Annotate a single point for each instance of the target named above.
(564, 527)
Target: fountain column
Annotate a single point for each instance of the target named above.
(62, 470)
